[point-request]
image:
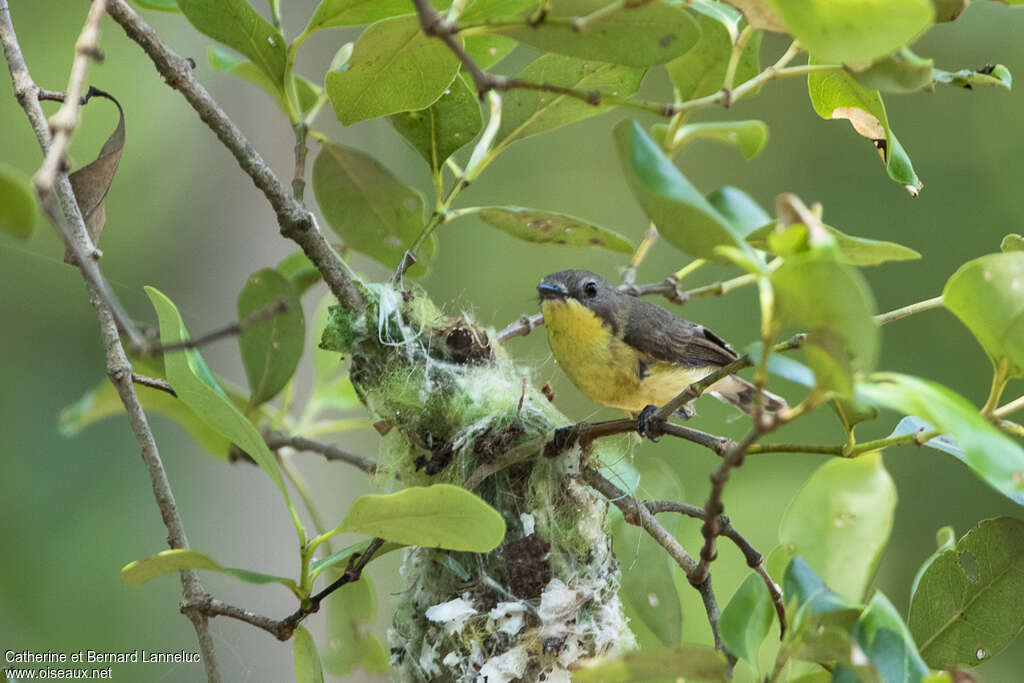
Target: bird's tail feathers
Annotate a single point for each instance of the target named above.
(741, 393)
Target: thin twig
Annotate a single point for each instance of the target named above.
(276, 440)
(1011, 407)
(521, 327)
(154, 383)
(63, 123)
(294, 219)
(231, 329)
(119, 369)
(907, 311)
(629, 276)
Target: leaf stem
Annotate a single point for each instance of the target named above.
(629, 277)
(1011, 407)
(737, 51)
(999, 381)
(907, 311)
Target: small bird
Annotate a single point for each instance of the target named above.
(627, 353)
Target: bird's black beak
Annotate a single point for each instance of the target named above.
(552, 291)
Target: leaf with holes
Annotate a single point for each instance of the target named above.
(987, 294)
(394, 67)
(837, 95)
(444, 127)
(18, 206)
(969, 603)
(840, 521)
(368, 207)
(271, 348)
(548, 227)
(644, 35)
(529, 112)
(236, 24)
(488, 50)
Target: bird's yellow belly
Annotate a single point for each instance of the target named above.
(605, 368)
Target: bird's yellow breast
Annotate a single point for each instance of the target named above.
(604, 367)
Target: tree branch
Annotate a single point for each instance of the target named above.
(907, 311)
(276, 440)
(295, 221)
(119, 369)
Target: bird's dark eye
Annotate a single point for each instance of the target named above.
(590, 289)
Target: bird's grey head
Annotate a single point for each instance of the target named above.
(589, 289)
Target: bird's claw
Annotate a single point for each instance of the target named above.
(646, 425)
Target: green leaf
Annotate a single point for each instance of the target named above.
(271, 348)
(439, 516)
(948, 10)
(394, 68)
(237, 25)
(641, 36)
(830, 300)
(488, 50)
(548, 227)
(171, 561)
(945, 539)
(306, 657)
(529, 112)
(222, 60)
(356, 12)
(997, 75)
(299, 271)
(195, 385)
(102, 401)
(1012, 242)
(969, 604)
(738, 208)
(840, 520)
(747, 618)
(857, 251)
(688, 661)
(749, 136)
(837, 95)
(351, 611)
(901, 72)
(802, 584)
(368, 207)
(701, 70)
(854, 30)
(887, 642)
(159, 5)
(480, 10)
(987, 294)
(683, 216)
(316, 567)
(993, 456)
(18, 205)
(444, 127)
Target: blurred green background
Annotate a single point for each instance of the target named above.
(183, 218)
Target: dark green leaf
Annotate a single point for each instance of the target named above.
(739, 208)
(683, 216)
(857, 251)
(837, 95)
(832, 302)
(195, 385)
(306, 657)
(1012, 242)
(528, 112)
(701, 70)
(901, 72)
(747, 618)
(18, 206)
(299, 271)
(271, 348)
(237, 25)
(689, 661)
(945, 539)
(367, 207)
(997, 75)
(993, 456)
(840, 521)
(439, 516)
(969, 604)
(854, 31)
(444, 127)
(394, 68)
(641, 36)
(987, 294)
(171, 561)
(159, 5)
(802, 584)
(92, 182)
(488, 50)
(355, 12)
(547, 227)
(887, 642)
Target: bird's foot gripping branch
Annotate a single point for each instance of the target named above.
(456, 410)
